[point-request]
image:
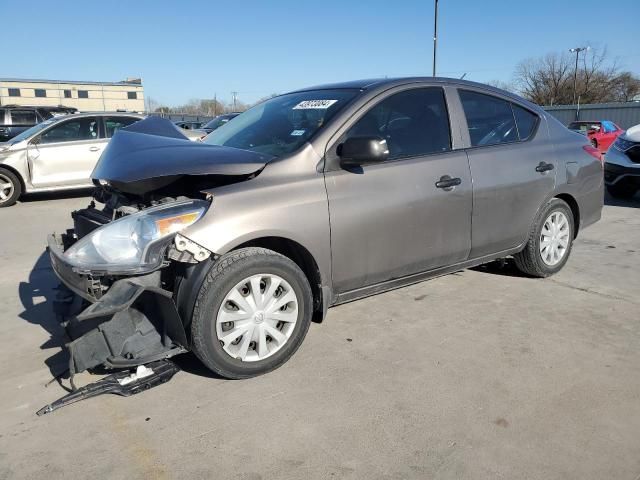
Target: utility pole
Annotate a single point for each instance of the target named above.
(234, 95)
(435, 35)
(577, 51)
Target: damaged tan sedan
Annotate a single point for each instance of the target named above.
(229, 248)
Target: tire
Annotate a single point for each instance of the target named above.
(229, 276)
(594, 142)
(10, 188)
(624, 192)
(531, 260)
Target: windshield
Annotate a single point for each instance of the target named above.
(32, 131)
(583, 126)
(281, 125)
(216, 122)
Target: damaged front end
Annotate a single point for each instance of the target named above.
(123, 263)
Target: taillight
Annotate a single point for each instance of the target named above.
(594, 152)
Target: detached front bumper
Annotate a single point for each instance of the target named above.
(131, 322)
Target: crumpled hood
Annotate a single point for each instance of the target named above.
(154, 148)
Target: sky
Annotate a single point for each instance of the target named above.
(198, 49)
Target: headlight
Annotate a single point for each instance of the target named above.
(135, 243)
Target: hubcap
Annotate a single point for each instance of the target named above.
(257, 317)
(554, 238)
(6, 188)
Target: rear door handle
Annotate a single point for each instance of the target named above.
(94, 149)
(447, 182)
(544, 167)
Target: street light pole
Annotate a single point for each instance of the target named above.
(577, 51)
(435, 35)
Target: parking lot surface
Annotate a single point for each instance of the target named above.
(479, 374)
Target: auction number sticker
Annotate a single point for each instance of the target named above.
(314, 104)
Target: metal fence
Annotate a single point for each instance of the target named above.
(624, 115)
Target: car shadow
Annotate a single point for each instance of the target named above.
(504, 266)
(60, 195)
(37, 297)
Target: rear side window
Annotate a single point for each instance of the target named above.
(490, 120)
(414, 122)
(526, 121)
(23, 117)
(113, 124)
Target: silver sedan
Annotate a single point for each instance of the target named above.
(57, 154)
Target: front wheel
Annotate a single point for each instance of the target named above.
(10, 188)
(550, 241)
(251, 314)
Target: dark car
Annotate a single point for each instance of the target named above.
(188, 124)
(314, 198)
(15, 119)
(218, 121)
(622, 165)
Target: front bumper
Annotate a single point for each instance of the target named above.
(131, 322)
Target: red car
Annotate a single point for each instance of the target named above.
(602, 134)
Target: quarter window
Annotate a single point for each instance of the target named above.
(83, 94)
(67, 94)
(414, 122)
(72, 130)
(23, 117)
(132, 95)
(40, 92)
(525, 121)
(14, 92)
(113, 124)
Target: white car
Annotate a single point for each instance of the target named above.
(57, 154)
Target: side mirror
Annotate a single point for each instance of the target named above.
(356, 151)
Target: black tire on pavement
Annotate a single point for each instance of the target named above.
(529, 260)
(223, 276)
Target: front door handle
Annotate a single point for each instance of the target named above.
(94, 149)
(544, 167)
(447, 183)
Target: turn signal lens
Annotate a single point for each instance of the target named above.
(176, 223)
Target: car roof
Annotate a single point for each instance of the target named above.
(385, 83)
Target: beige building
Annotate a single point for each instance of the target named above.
(85, 96)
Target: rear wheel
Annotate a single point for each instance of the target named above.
(620, 191)
(252, 313)
(10, 188)
(550, 241)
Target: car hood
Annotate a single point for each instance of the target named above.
(154, 149)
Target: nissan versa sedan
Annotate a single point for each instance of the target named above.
(57, 154)
(230, 247)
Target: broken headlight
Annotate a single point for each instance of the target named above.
(135, 243)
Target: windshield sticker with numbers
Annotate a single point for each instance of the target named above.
(314, 104)
(297, 133)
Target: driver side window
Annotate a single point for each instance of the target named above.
(72, 131)
(414, 123)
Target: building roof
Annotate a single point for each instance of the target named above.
(72, 82)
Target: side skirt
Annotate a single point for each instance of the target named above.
(419, 277)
